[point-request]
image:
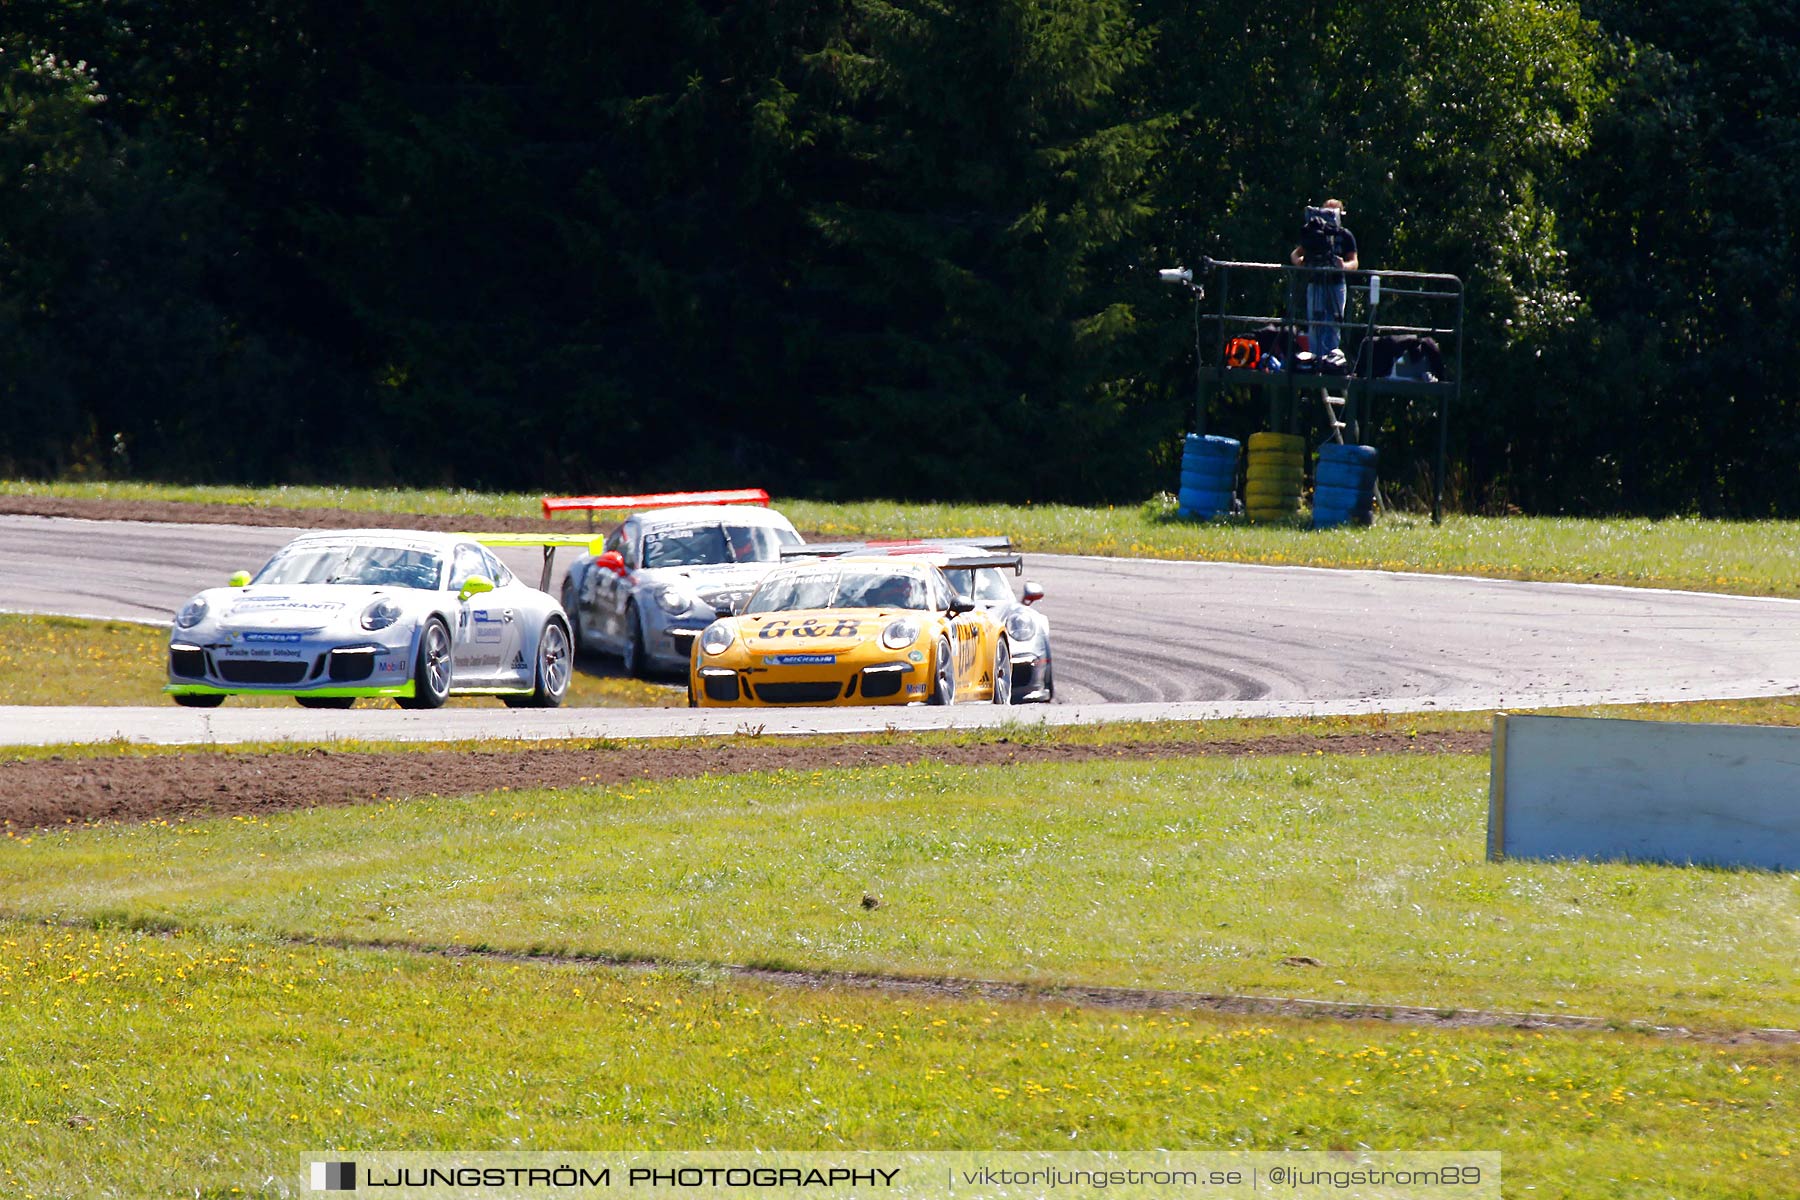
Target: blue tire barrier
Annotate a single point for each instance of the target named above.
(1347, 452)
(1342, 499)
(1341, 474)
(1208, 476)
(1344, 485)
(1223, 477)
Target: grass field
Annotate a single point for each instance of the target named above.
(1196, 874)
(205, 1063)
(67, 660)
(1752, 557)
(138, 1061)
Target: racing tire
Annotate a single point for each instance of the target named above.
(1002, 693)
(631, 656)
(431, 670)
(943, 677)
(325, 701)
(198, 700)
(555, 670)
(1050, 683)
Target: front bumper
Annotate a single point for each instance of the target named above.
(854, 683)
(1031, 678)
(301, 667)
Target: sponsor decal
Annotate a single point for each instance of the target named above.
(282, 603)
(242, 654)
(799, 660)
(488, 626)
(915, 689)
(478, 660)
(258, 635)
(812, 627)
(518, 661)
(391, 666)
(917, 656)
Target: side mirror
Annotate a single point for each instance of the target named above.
(960, 604)
(238, 579)
(1033, 593)
(476, 585)
(612, 561)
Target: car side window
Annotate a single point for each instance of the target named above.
(468, 563)
(628, 545)
(496, 570)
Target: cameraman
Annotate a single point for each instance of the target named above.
(1325, 242)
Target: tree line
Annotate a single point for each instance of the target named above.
(859, 248)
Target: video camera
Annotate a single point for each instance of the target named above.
(1316, 235)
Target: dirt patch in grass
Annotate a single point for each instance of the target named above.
(40, 793)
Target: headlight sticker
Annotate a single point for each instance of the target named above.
(917, 656)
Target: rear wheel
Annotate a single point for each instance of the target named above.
(198, 700)
(554, 663)
(431, 673)
(632, 656)
(943, 681)
(1002, 673)
(325, 701)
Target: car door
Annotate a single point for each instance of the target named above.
(519, 603)
(966, 644)
(485, 624)
(612, 591)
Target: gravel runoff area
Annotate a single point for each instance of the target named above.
(37, 793)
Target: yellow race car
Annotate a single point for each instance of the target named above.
(852, 631)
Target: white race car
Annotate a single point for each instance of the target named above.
(377, 612)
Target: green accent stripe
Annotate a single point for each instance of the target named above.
(406, 689)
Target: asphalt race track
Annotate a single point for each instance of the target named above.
(1134, 639)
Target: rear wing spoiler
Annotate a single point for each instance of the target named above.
(897, 546)
(593, 504)
(551, 542)
(998, 551)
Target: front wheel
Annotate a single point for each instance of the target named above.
(325, 701)
(198, 700)
(431, 672)
(1002, 693)
(553, 671)
(943, 681)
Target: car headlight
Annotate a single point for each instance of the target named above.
(718, 638)
(193, 614)
(1020, 627)
(381, 614)
(673, 600)
(900, 634)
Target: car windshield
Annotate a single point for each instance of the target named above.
(706, 545)
(852, 588)
(987, 586)
(360, 563)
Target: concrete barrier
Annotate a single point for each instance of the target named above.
(1653, 791)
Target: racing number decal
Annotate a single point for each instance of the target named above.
(968, 653)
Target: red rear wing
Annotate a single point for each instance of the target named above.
(593, 504)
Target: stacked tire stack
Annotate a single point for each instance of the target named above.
(1208, 477)
(1344, 486)
(1274, 477)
